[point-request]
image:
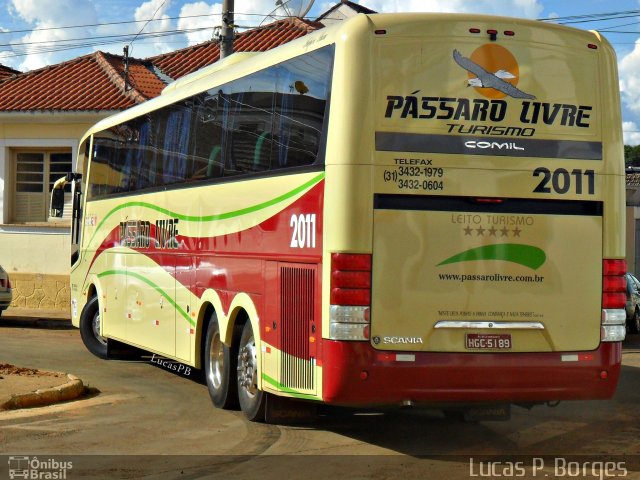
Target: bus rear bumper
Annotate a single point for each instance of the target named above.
(354, 373)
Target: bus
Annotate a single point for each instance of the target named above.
(400, 210)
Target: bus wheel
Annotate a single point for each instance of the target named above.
(219, 364)
(90, 329)
(252, 400)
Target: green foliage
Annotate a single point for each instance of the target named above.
(632, 155)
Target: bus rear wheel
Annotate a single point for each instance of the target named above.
(90, 329)
(252, 400)
(219, 363)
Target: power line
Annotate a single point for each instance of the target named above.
(145, 25)
(592, 17)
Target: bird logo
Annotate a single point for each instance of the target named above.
(492, 58)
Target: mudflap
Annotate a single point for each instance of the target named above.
(285, 411)
(488, 413)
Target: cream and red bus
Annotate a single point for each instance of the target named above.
(403, 209)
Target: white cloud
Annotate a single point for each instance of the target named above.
(628, 68)
(514, 8)
(37, 44)
(199, 15)
(155, 10)
(631, 133)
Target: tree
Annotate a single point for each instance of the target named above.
(632, 155)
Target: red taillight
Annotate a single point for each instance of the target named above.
(614, 267)
(350, 279)
(613, 300)
(351, 262)
(8, 283)
(614, 284)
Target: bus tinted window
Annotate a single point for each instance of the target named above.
(267, 121)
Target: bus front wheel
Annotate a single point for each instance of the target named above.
(219, 364)
(90, 329)
(252, 400)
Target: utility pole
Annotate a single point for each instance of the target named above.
(226, 40)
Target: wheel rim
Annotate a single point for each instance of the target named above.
(216, 361)
(247, 368)
(95, 325)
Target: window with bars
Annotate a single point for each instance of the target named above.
(35, 174)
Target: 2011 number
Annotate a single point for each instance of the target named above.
(562, 181)
(303, 230)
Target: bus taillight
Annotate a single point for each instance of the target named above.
(350, 296)
(614, 286)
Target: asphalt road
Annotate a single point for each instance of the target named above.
(147, 422)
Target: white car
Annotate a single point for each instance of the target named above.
(5, 291)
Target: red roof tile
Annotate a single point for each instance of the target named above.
(182, 62)
(97, 81)
(89, 83)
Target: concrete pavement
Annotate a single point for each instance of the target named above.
(24, 387)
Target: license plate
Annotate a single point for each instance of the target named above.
(488, 341)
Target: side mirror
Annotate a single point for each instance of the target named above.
(57, 202)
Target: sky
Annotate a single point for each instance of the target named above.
(37, 33)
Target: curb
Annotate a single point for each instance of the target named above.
(47, 396)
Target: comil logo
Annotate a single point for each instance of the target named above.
(493, 71)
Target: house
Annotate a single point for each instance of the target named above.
(6, 72)
(43, 114)
(341, 11)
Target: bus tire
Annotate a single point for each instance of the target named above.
(219, 366)
(252, 400)
(90, 329)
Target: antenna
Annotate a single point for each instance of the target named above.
(288, 8)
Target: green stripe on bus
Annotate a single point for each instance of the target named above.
(284, 389)
(184, 314)
(527, 255)
(210, 218)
